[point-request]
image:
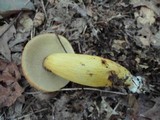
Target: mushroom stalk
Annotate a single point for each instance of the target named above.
(92, 71)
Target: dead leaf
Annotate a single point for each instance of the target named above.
(144, 36)
(154, 112)
(118, 44)
(2, 65)
(38, 19)
(105, 107)
(156, 40)
(19, 38)
(10, 89)
(12, 70)
(79, 24)
(152, 4)
(4, 48)
(89, 11)
(45, 96)
(145, 16)
(26, 23)
(52, 2)
(133, 104)
(8, 7)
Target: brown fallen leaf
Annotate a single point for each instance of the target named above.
(2, 65)
(12, 70)
(134, 107)
(154, 112)
(10, 89)
(4, 39)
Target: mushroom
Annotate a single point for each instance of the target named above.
(36, 50)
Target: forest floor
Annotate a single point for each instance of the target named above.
(127, 32)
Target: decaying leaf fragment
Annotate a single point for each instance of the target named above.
(26, 23)
(154, 112)
(38, 19)
(145, 16)
(10, 89)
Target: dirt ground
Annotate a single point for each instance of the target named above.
(127, 32)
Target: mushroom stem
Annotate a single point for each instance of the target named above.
(91, 71)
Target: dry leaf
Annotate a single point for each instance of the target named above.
(79, 24)
(154, 112)
(145, 16)
(152, 4)
(10, 89)
(52, 2)
(4, 48)
(133, 104)
(144, 41)
(19, 38)
(105, 107)
(144, 36)
(118, 44)
(156, 40)
(26, 22)
(38, 19)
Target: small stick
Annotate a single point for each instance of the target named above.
(61, 43)
(44, 10)
(92, 89)
(77, 89)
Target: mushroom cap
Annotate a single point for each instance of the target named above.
(35, 51)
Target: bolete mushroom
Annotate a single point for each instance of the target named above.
(35, 51)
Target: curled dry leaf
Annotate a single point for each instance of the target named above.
(26, 23)
(10, 89)
(146, 16)
(38, 19)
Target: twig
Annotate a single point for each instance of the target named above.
(116, 106)
(92, 89)
(77, 89)
(29, 114)
(44, 10)
(61, 43)
(28, 105)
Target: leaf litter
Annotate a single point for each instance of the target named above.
(10, 89)
(127, 33)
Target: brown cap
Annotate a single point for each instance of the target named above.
(33, 56)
